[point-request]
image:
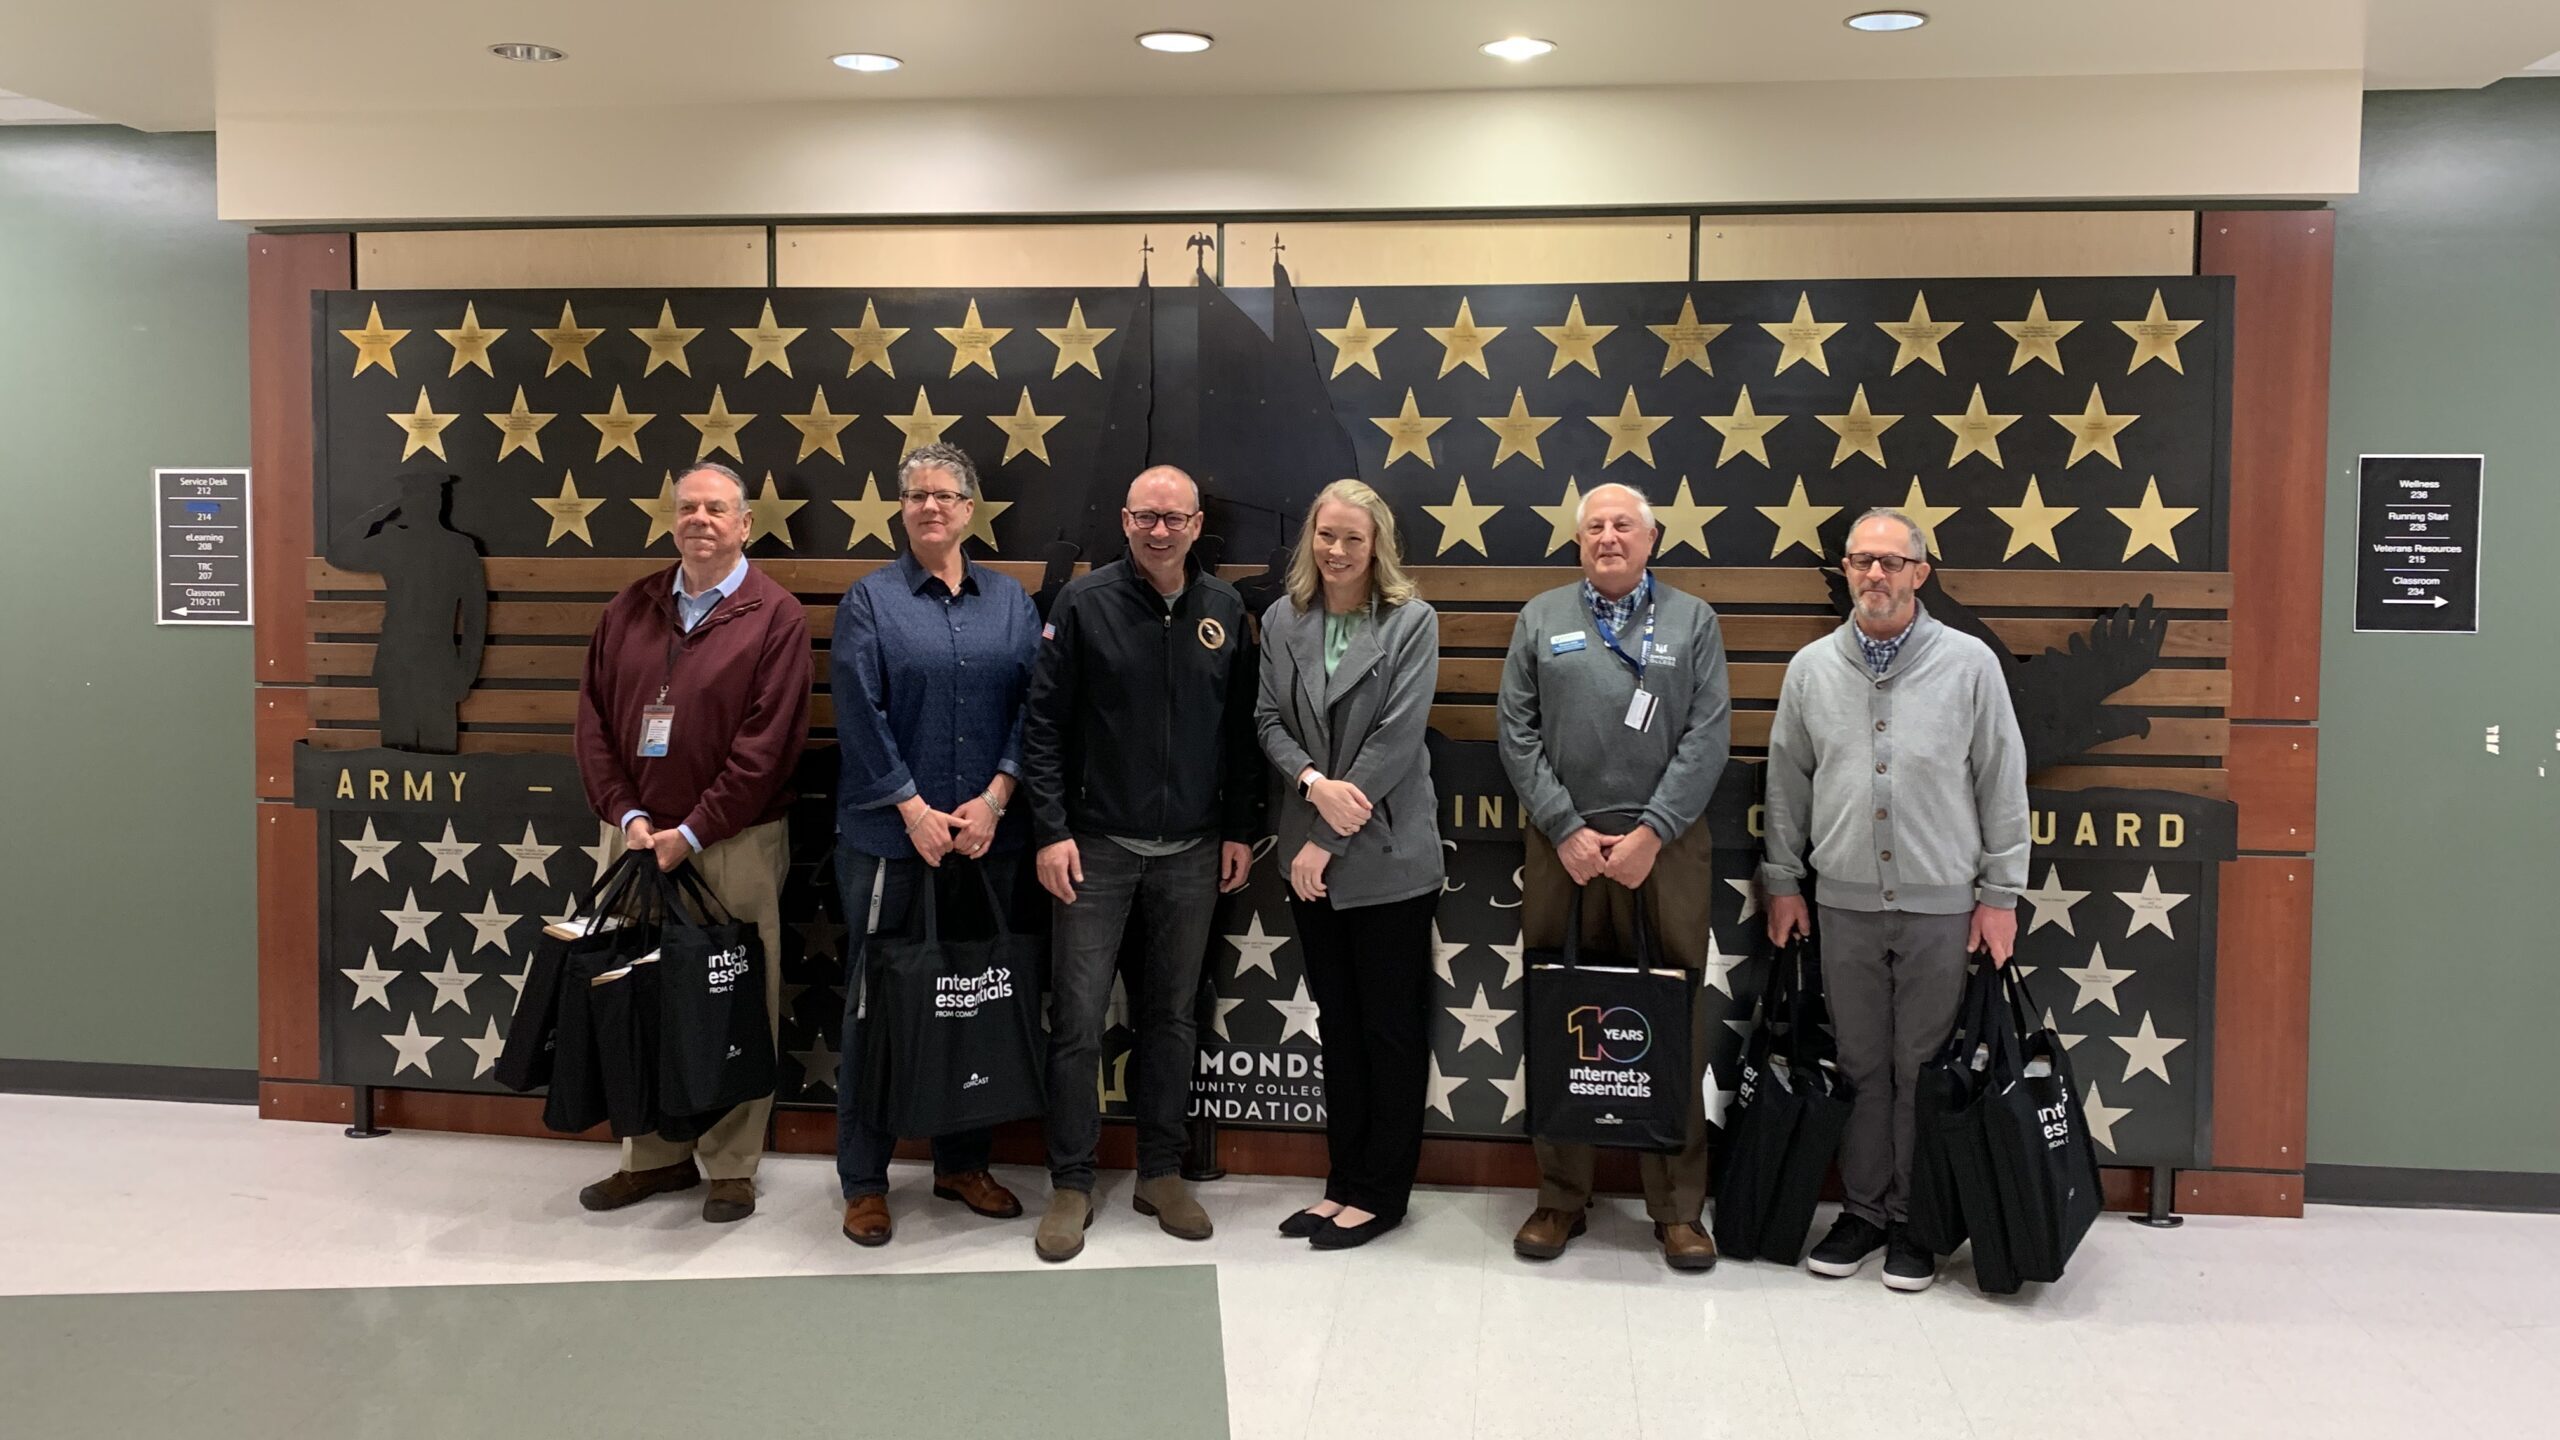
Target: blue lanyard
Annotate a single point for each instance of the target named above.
(1609, 632)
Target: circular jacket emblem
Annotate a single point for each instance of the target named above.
(1212, 634)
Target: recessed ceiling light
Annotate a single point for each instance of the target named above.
(529, 54)
(1886, 21)
(866, 64)
(1516, 48)
(1175, 42)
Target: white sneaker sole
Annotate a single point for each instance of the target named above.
(1839, 1269)
(1909, 1284)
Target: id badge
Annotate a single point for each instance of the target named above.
(657, 723)
(1640, 707)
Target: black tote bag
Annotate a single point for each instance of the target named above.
(1608, 1053)
(1790, 1109)
(527, 1060)
(622, 1006)
(2043, 1163)
(953, 1039)
(1953, 1194)
(715, 1034)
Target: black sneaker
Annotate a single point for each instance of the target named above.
(1908, 1265)
(1851, 1241)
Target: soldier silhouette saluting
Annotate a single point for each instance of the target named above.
(436, 615)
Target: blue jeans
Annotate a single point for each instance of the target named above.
(863, 1149)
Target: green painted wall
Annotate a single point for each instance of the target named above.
(2435, 992)
(127, 892)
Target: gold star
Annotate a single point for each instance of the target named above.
(770, 514)
(922, 427)
(982, 522)
(568, 341)
(1560, 518)
(1409, 431)
(1075, 342)
(1745, 431)
(2151, 525)
(373, 343)
(1685, 340)
(470, 343)
(1462, 341)
(870, 342)
(1977, 430)
(1575, 342)
(1861, 431)
(767, 343)
(1799, 522)
(1918, 338)
(568, 511)
(2031, 521)
(972, 342)
(519, 428)
(2156, 337)
(820, 427)
(1026, 430)
(618, 429)
(1917, 506)
(424, 427)
(1356, 343)
(1461, 521)
(1803, 336)
(1630, 431)
(661, 511)
(666, 341)
(2039, 336)
(1518, 431)
(870, 516)
(1684, 522)
(2093, 431)
(719, 428)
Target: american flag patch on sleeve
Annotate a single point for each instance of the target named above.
(1048, 632)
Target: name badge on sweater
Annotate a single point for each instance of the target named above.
(1567, 643)
(1640, 708)
(657, 725)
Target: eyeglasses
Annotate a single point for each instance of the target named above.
(933, 497)
(1169, 519)
(1889, 564)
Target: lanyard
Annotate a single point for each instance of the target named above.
(1609, 632)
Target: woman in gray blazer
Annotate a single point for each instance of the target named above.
(1350, 658)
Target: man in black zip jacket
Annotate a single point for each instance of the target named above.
(1146, 787)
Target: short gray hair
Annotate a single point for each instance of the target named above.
(949, 459)
(1644, 507)
(1919, 536)
(714, 467)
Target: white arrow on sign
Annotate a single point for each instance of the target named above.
(2437, 601)
(182, 611)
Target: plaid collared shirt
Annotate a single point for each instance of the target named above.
(1880, 653)
(1614, 613)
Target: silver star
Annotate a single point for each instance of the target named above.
(488, 1048)
(450, 855)
(414, 1048)
(1750, 898)
(2053, 903)
(2102, 1117)
(1515, 1091)
(372, 982)
(1442, 952)
(453, 985)
(1482, 1023)
(608, 844)
(1298, 1016)
(1254, 949)
(1720, 966)
(818, 1063)
(1218, 1022)
(2146, 1049)
(489, 927)
(1115, 1012)
(517, 980)
(2097, 982)
(821, 937)
(1513, 967)
(370, 852)
(2070, 1042)
(2151, 905)
(1716, 1101)
(412, 924)
(1439, 1088)
(532, 857)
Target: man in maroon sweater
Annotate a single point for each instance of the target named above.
(691, 716)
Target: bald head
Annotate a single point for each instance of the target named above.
(1164, 487)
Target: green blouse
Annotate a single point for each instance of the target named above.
(1338, 633)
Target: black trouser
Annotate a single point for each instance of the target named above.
(1370, 972)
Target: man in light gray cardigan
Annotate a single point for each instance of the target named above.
(1895, 753)
(1615, 721)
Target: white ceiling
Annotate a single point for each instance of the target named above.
(183, 64)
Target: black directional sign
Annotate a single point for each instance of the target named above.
(2418, 544)
(202, 540)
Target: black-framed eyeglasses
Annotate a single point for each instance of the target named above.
(1890, 564)
(1169, 519)
(944, 498)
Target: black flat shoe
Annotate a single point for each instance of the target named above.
(1337, 1236)
(1303, 1224)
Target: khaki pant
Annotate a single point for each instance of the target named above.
(745, 871)
(1676, 900)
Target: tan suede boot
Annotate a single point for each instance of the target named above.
(1168, 1199)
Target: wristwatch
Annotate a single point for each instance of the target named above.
(1307, 783)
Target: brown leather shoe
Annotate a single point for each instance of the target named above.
(866, 1219)
(1546, 1232)
(729, 1201)
(629, 1187)
(1686, 1247)
(979, 1191)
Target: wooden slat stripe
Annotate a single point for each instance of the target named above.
(1786, 634)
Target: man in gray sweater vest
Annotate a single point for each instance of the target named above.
(1614, 720)
(1895, 754)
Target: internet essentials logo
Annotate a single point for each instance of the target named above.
(959, 996)
(1606, 1043)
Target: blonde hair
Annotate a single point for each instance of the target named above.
(1387, 578)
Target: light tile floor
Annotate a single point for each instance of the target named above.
(2348, 1323)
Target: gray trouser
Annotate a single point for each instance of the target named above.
(1893, 981)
